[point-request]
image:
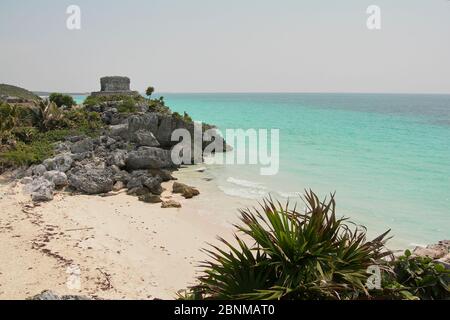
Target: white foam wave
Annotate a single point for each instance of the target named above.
(246, 183)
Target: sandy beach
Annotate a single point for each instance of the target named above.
(120, 247)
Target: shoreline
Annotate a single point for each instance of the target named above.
(124, 248)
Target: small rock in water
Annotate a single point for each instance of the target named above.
(170, 204)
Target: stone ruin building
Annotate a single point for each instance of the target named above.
(115, 86)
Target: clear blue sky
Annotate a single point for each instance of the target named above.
(228, 46)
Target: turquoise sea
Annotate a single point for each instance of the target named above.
(387, 156)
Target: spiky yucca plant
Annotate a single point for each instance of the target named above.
(47, 116)
(284, 254)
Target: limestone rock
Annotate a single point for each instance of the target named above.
(145, 139)
(62, 162)
(39, 170)
(435, 251)
(118, 158)
(83, 146)
(91, 181)
(150, 198)
(149, 158)
(58, 178)
(185, 190)
(142, 178)
(119, 130)
(170, 204)
(41, 190)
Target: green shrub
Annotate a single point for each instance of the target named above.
(291, 255)
(416, 278)
(62, 100)
(30, 145)
(27, 154)
(127, 106)
(25, 134)
(85, 122)
(156, 106)
(96, 100)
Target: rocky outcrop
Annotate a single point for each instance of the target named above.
(439, 252)
(133, 152)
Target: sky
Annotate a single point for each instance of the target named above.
(228, 46)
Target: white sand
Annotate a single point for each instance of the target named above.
(125, 249)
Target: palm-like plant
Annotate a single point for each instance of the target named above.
(47, 116)
(285, 254)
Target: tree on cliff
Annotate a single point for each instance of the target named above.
(149, 91)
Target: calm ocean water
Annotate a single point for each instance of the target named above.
(386, 156)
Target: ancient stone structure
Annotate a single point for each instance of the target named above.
(115, 86)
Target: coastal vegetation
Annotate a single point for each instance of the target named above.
(282, 254)
(62, 100)
(27, 134)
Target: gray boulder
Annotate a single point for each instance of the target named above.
(91, 181)
(39, 170)
(118, 158)
(119, 130)
(143, 179)
(153, 183)
(41, 190)
(62, 162)
(58, 178)
(146, 122)
(149, 158)
(145, 138)
(82, 146)
(150, 198)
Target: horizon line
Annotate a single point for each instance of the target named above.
(260, 92)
